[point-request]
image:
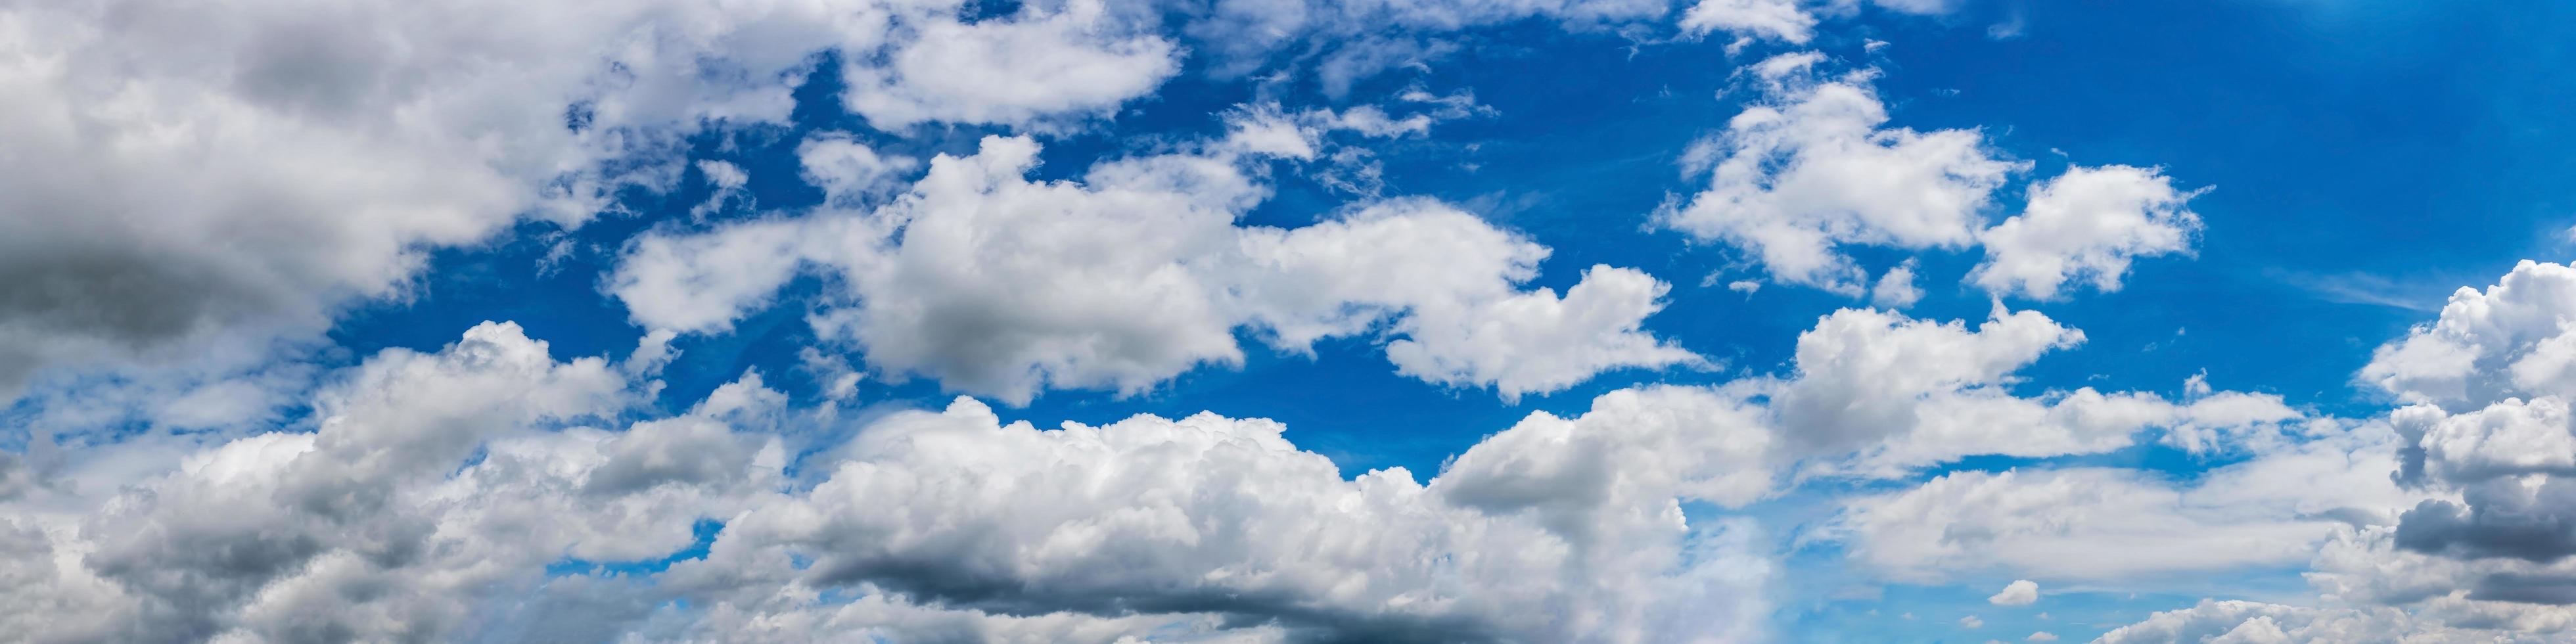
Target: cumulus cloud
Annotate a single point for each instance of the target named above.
(1789, 21)
(999, 285)
(1071, 58)
(299, 157)
(2482, 448)
(2245, 621)
(2022, 592)
(2086, 224)
(422, 489)
(2508, 340)
(1781, 20)
(1215, 514)
(1896, 289)
(1894, 393)
(2485, 436)
(440, 490)
(2054, 524)
(1810, 167)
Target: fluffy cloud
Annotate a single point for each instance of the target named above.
(1789, 21)
(2487, 437)
(2022, 592)
(1209, 513)
(2508, 340)
(207, 177)
(2087, 223)
(439, 490)
(2054, 524)
(996, 284)
(2245, 621)
(1780, 20)
(422, 489)
(1895, 393)
(1809, 167)
(1067, 59)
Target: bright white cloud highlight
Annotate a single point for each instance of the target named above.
(2022, 592)
(1810, 167)
(2086, 225)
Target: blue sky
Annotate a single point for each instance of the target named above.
(239, 276)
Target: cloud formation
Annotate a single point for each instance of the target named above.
(999, 285)
(441, 483)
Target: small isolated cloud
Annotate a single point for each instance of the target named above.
(2042, 636)
(2019, 593)
(1971, 621)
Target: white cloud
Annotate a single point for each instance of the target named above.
(2041, 636)
(2054, 524)
(1073, 58)
(2245, 621)
(439, 490)
(850, 173)
(209, 177)
(2509, 340)
(2487, 439)
(1781, 20)
(1809, 168)
(1896, 289)
(996, 284)
(2022, 592)
(1536, 342)
(1879, 394)
(1210, 511)
(1971, 621)
(2086, 224)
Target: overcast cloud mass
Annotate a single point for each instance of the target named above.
(1124, 321)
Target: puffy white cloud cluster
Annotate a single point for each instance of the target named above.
(999, 285)
(2249, 622)
(1878, 394)
(2055, 524)
(1810, 167)
(438, 489)
(2022, 592)
(2088, 223)
(432, 482)
(187, 179)
(2486, 433)
(1789, 21)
